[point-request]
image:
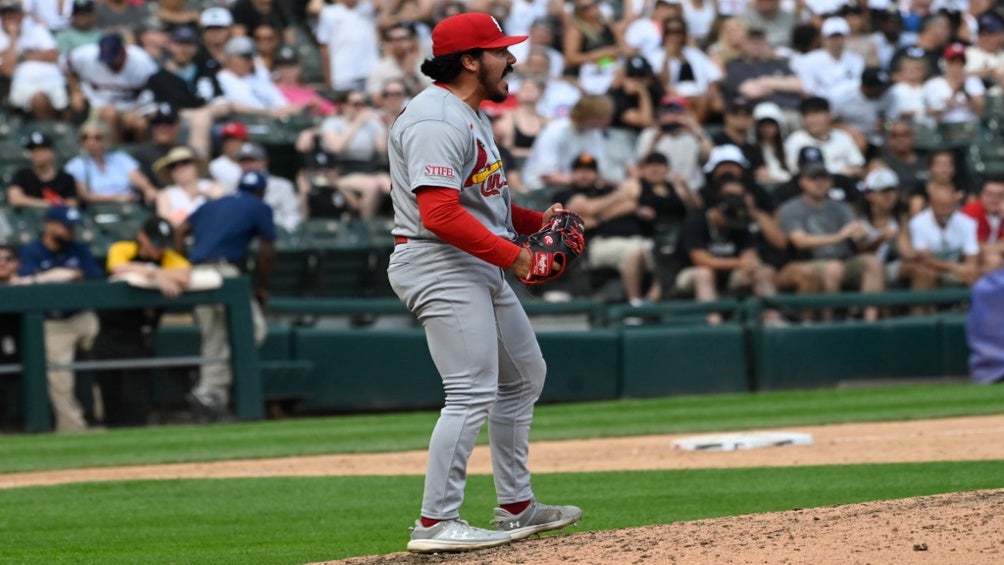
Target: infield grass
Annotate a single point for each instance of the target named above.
(296, 520)
(398, 432)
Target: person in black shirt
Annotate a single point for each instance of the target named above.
(180, 81)
(165, 124)
(634, 94)
(615, 232)
(249, 14)
(738, 122)
(715, 252)
(189, 87)
(42, 183)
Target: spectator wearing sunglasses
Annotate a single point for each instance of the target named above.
(105, 175)
(402, 60)
(246, 90)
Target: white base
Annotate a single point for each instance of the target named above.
(743, 440)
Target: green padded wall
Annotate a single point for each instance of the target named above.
(369, 370)
(954, 349)
(581, 366)
(663, 361)
(822, 355)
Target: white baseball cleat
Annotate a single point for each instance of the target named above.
(453, 535)
(537, 518)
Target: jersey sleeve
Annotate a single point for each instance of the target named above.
(441, 151)
(29, 259)
(265, 223)
(174, 260)
(120, 253)
(88, 264)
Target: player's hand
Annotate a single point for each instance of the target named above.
(170, 288)
(550, 212)
(521, 266)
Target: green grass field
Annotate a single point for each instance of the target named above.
(293, 520)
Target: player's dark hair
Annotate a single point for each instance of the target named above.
(445, 68)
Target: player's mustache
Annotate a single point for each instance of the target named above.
(509, 69)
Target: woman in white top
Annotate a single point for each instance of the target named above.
(700, 17)
(686, 71)
(769, 133)
(186, 191)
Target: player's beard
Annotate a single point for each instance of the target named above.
(492, 86)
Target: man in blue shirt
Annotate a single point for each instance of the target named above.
(55, 258)
(223, 230)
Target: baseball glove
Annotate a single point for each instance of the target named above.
(555, 246)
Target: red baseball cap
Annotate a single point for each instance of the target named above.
(470, 30)
(234, 129)
(955, 51)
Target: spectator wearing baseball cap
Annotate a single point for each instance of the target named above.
(634, 93)
(859, 108)
(246, 89)
(955, 97)
(42, 183)
(225, 169)
(164, 126)
(280, 194)
(146, 260)
(984, 58)
(829, 241)
(880, 220)
(115, 74)
(215, 30)
(811, 161)
(56, 256)
(82, 28)
(677, 135)
(222, 231)
(823, 70)
(738, 129)
(288, 74)
(181, 80)
(615, 234)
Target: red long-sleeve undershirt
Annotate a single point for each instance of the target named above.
(442, 214)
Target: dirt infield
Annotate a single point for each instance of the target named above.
(959, 528)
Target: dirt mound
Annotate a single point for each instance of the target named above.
(959, 528)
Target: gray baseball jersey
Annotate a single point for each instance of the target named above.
(479, 336)
(428, 143)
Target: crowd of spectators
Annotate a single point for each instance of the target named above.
(713, 147)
